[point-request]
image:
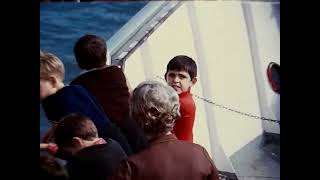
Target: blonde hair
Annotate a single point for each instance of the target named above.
(51, 65)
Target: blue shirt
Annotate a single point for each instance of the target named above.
(76, 99)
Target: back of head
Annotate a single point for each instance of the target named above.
(183, 63)
(74, 125)
(90, 52)
(155, 107)
(51, 65)
(51, 169)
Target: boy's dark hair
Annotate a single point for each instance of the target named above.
(90, 52)
(51, 169)
(183, 63)
(74, 125)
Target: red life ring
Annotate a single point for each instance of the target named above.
(273, 73)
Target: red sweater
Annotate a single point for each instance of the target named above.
(183, 126)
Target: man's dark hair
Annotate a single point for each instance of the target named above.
(183, 63)
(74, 125)
(90, 52)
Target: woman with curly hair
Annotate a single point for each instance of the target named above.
(155, 107)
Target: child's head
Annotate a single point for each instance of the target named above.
(51, 74)
(75, 132)
(90, 52)
(181, 73)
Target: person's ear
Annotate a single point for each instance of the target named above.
(165, 76)
(194, 80)
(53, 81)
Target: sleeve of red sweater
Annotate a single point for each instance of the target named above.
(184, 126)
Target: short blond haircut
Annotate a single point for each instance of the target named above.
(51, 65)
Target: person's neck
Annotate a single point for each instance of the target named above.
(86, 144)
(56, 88)
(95, 141)
(184, 93)
(85, 71)
(153, 137)
(59, 86)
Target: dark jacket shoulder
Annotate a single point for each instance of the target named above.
(96, 162)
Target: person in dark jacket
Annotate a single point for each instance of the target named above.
(155, 107)
(91, 157)
(108, 85)
(51, 168)
(59, 100)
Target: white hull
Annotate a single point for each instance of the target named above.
(233, 43)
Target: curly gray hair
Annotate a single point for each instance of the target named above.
(155, 106)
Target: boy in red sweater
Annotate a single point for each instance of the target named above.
(181, 75)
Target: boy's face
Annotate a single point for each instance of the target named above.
(180, 80)
(46, 88)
